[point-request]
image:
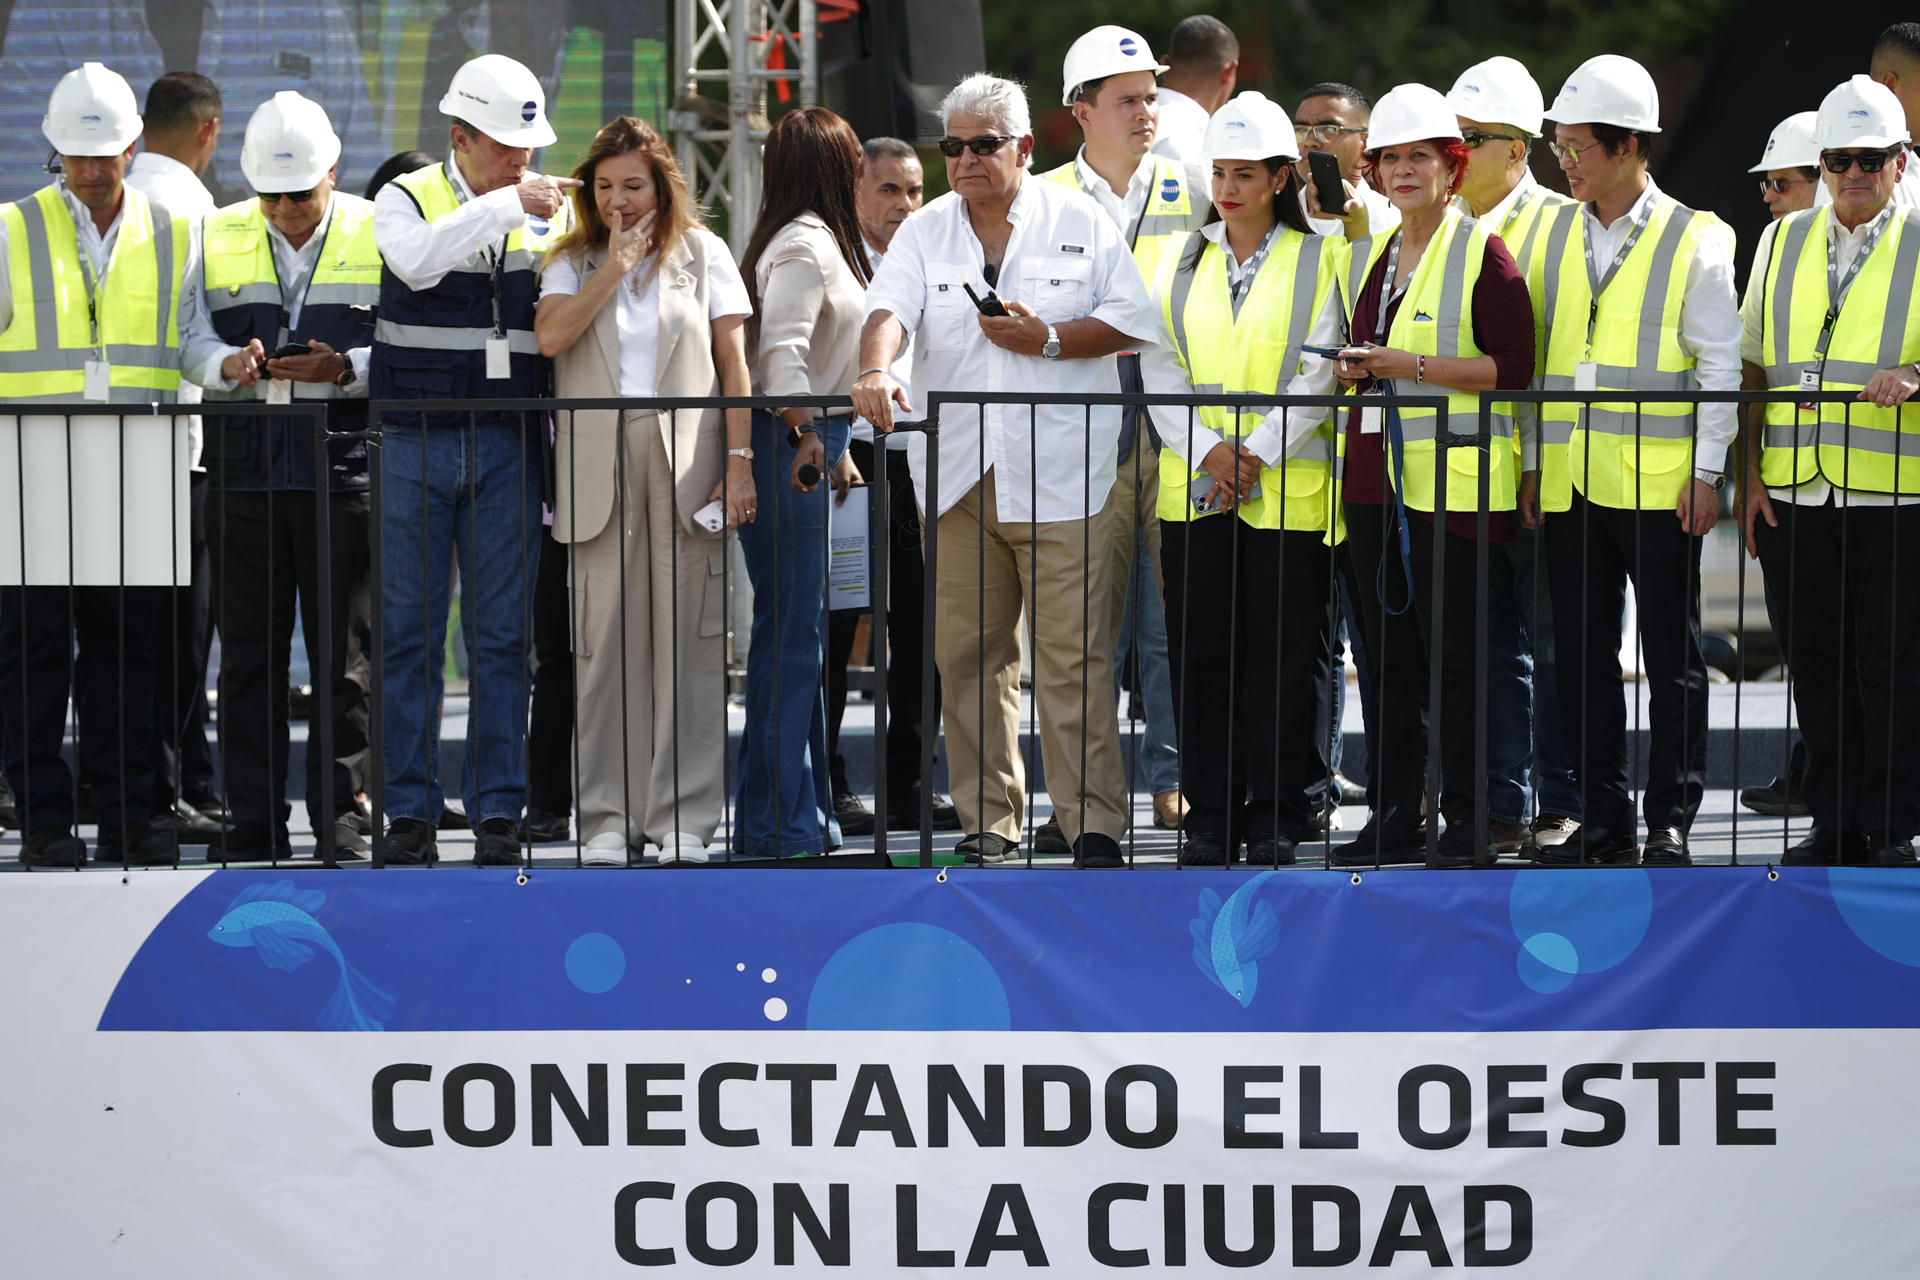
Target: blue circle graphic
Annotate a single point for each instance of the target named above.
(1882, 911)
(595, 963)
(1570, 923)
(908, 977)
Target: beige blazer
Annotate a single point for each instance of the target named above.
(585, 457)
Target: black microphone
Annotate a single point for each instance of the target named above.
(807, 474)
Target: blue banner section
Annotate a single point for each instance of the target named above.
(1031, 951)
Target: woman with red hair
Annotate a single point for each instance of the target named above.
(1434, 307)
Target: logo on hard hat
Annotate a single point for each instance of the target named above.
(528, 110)
(286, 156)
(89, 119)
(1129, 46)
(1234, 126)
(1469, 88)
(1858, 113)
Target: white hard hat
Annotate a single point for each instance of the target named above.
(1860, 113)
(1251, 128)
(290, 144)
(1498, 91)
(502, 99)
(1102, 52)
(1609, 89)
(91, 112)
(1410, 113)
(1790, 145)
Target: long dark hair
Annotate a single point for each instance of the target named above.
(1286, 210)
(811, 164)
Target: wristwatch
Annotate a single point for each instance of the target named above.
(1717, 480)
(1051, 351)
(346, 374)
(746, 453)
(796, 434)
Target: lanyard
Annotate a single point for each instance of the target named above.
(1388, 294)
(1237, 289)
(94, 287)
(496, 258)
(1513, 214)
(1839, 286)
(1133, 236)
(1596, 282)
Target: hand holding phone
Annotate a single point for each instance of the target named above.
(712, 517)
(281, 353)
(1329, 186)
(989, 305)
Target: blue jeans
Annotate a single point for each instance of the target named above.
(475, 492)
(1146, 614)
(1508, 733)
(785, 800)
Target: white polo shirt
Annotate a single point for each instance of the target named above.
(1066, 261)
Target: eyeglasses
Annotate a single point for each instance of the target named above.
(1778, 186)
(1573, 154)
(1869, 161)
(298, 197)
(1475, 139)
(1325, 131)
(984, 145)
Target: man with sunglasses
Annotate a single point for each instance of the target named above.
(1789, 168)
(1500, 109)
(1155, 203)
(1637, 294)
(294, 267)
(1021, 511)
(1831, 496)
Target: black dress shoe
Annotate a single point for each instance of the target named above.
(453, 816)
(497, 843)
(1457, 851)
(854, 816)
(1204, 849)
(53, 847)
(1095, 852)
(1820, 848)
(986, 849)
(144, 846)
(250, 842)
(1270, 851)
(1350, 791)
(903, 813)
(9, 816)
(210, 805)
(1390, 843)
(1780, 798)
(1666, 847)
(1050, 839)
(409, 843)
(542, 826)
(1884, 852)
(188, 824)
(1589, 847)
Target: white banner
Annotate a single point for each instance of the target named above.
(102, 499)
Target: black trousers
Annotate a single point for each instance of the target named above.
(908, 651)
(1250, 647)
(1399, 645)
(550, 726)
(182, 638)
(1847, 581)
(96, 643)
(266, 552)
(1592, 553)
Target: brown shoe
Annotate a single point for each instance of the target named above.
(1551, 830)
(1169, 807)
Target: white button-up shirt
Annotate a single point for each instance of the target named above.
(166, 181)
(1125, 207)
(1065, 260)
(421, 253)
(1180, 128)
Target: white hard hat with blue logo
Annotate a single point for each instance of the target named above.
(1102, 52)
(1860, 113)
(1251, 127)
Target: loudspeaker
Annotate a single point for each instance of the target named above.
(887, 67)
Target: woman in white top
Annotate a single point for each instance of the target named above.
(808, 267)
(639, 300)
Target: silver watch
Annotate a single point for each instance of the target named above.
(1051, 351)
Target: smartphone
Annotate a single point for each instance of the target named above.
(280, 353)
(1325, 168)
(1325, 353)
(1201, 486)
(989, 305)
(712, 517)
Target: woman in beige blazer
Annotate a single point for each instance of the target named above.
(808, 268)
(639, 300)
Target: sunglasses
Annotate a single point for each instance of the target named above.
(1869, 161)
(1475, 139)
(984, 145)
(298, 197)
(1778, 186)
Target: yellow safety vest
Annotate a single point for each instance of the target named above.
(1435, 318)
(1171, 213)
(1254, 351)
(1857, 446)
(1620, 455)
(45, 349)
(1520, 230)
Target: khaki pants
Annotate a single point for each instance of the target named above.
(977, 648)
(650, 678)
(1134, 505)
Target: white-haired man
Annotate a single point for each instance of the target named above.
(1005, 540)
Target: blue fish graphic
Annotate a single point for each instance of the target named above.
(277, 921)
(1230, 938)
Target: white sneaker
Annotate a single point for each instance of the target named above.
(678, 846)
(608, 849)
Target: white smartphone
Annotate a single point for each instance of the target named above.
(712, 517)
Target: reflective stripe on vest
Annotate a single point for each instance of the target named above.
(1435, 318)
(45, 349)
(1857, 446)
(1620, 455)
(1172, 212)
(1525, 232)
(1253, 353)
